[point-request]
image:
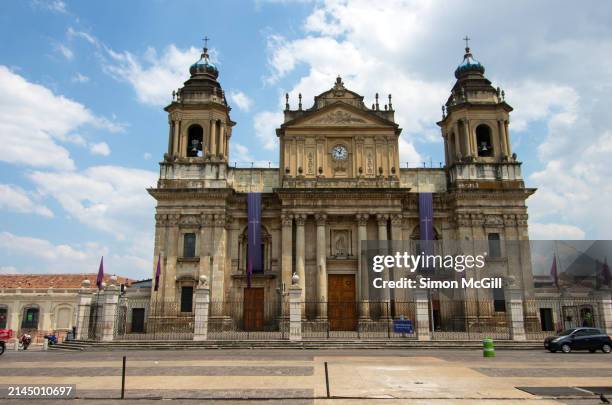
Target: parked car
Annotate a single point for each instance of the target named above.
(590, 339)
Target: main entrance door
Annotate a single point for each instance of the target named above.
(253, 309)
(341, 307)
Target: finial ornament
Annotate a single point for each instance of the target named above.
(390, 105)
(205, 39)
(300, 101)
(377, 107)
(286, 101)
(467, 45)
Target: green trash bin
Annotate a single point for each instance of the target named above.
(488, 349)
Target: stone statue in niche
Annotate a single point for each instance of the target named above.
(341, 243)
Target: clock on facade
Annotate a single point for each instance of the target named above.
(339, 152)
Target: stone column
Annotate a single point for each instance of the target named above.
(466, 138)
(176, 135)
(202, 302)
(396, 237)
(604, 297)
(421, 323)
(321, 264)
(382, 237)
(502, 137)
(295, 311)
(83, 310)
(213, 138)
(287, 254)
(457, 144)
(159, 250)
(172, 247)
(514, 312)
(507, 137)
(218, 263)
(205, 245)
(363, 286)
(109, 312)
(300, 252)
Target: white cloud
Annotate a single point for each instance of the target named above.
(241, 100)
(265, 124)
(57, 6)
(552, 231)
(43, 256)
(240, 153)
(147, 156)
(80, 78)
(152, 76)
(109, 198)
(100, 148)
(34, 122)
(65, 51)
(8, 270)
(72, 33)
(16, 199)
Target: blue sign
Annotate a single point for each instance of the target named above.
(402, 326)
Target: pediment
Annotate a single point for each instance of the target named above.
(339, 114)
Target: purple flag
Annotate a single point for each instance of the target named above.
(254, 259)
(553, 272)
(605, 273)
(100, 277)
(157, 272)
(426, 231)
(426, 216)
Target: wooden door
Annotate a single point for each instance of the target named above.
(341, 307)
(253, 309)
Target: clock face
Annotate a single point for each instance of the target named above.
(339, 152)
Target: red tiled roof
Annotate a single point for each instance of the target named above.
(53, 280)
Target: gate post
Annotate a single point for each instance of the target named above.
(84, 308)
(604, 303)
(514, 313)
(421, 310)
(295, 309)
(109, 311)
(202, 302)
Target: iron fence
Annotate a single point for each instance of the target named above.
(467, 320)
(547, 316)
(237, 321)
(356, 320)
(140, 319)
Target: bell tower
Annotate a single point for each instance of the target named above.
(199, 128)
(475, 129)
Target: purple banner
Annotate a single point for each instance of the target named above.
(254, 259)
(426, 216)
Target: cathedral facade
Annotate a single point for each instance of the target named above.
(339, 182)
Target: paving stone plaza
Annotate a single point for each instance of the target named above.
(298, 376)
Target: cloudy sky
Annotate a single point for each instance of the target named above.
(83, 84)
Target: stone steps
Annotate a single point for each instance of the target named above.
(286, 344)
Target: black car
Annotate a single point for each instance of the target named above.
(2, 346)
(590, 339)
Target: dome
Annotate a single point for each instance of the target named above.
(469, 64)
(204, 65)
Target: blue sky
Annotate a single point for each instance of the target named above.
(83, 84)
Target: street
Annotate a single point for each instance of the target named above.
(298, 376)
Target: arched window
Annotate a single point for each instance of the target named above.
(195, 144)
(30, 318)
(266, 245)
(483, 140)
